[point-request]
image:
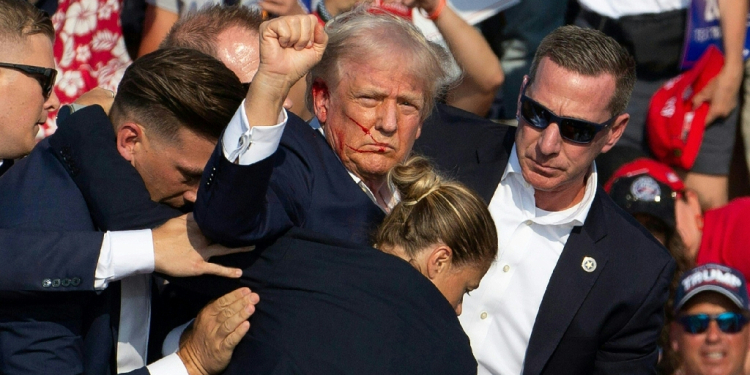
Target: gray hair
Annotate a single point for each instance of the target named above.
(357, 35)
(591, 53)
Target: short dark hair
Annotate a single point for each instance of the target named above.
(199, 30)
(178, 87)
(19, 19)
(591, 53)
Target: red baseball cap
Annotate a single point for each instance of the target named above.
(674, 128)
(646, 186)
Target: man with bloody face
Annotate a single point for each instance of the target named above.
(369, 110)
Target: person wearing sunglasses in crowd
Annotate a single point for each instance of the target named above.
(578, 287)
(710, 333)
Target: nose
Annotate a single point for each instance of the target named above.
(388, 121)
(191, 195)
(550, 142)
(52, 103)
(713, 333)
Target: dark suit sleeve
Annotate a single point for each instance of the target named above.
(633, 349)
(114, 191)
(67, 259)
(240, 205)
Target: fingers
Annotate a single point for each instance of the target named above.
(234, 338)
(236, 313)
(296, 32)
(222, 271)
(231, 297)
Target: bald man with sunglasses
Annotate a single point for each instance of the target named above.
(710, 333)
(578, 287)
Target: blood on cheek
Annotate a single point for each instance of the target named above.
(367, 132)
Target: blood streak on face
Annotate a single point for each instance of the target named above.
(381, 145)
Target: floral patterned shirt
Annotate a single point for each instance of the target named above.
(89, 50)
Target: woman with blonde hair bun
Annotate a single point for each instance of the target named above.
(329, 306)
(441, 228)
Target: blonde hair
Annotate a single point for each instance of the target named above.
(437, 210)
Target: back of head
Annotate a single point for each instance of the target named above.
(591, 53)
(176, 88)
(19, 19)
(435, 210)
(358, 36)
(200, 30)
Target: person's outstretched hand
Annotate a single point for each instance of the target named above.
(181, 250)
(207, 346)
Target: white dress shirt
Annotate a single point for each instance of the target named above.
(498, 317)
(619, 8)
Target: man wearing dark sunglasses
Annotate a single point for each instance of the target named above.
(578, 286)
(27, 75)
(710, 333)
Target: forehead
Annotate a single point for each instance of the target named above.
(381, 75)
(709, 303)
(33, 50)
(571, 94)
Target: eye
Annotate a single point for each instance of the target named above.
(367, 101)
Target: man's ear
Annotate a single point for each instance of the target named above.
(615, 131)
(321, 98)
(518, 101)
(438, 261)
(129, 136)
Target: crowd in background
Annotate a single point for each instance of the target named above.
(679, 167)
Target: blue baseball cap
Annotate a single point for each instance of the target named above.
(712, 277)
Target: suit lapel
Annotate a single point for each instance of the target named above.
(567, 288)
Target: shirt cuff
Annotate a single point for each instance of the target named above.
(124, 253)
(239, 136)
(169, 365)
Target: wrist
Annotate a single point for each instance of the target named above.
(432, 13)
(190, 364)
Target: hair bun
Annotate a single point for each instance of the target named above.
(415, 179)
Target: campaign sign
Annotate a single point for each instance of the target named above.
(704, 29)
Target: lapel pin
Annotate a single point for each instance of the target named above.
(589, 264)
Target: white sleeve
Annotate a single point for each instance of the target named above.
(239, 137)
(169, 365)
(124, 253)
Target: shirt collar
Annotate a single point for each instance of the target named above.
(390, 192)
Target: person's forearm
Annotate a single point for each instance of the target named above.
(482, 72)
(733, 16)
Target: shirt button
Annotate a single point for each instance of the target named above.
(506, 268)
(483, 315)
(528, 222)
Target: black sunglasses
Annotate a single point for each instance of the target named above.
(571, 129)
(45, 76)
(729, 322)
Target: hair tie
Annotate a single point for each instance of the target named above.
(413, 202)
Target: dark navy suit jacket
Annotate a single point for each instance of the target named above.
(45, 192)
(303, 184)
(602, 322)
(331, 307)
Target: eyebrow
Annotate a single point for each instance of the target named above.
(190, 172)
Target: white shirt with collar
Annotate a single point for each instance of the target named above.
(499, 316)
